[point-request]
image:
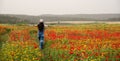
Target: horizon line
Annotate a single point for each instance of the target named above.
(61, 14)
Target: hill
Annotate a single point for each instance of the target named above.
(50, 17)
(11, 19)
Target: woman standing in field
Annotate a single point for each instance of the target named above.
(41, 33)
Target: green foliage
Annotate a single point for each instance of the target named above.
(13, 52)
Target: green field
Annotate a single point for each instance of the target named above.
(83, 42)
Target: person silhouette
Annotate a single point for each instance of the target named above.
(41, 33)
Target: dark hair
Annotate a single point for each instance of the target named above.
(41, 26)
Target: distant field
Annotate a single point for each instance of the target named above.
(82, 22)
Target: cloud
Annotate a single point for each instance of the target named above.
(37, 7)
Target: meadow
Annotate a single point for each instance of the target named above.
(84, 42)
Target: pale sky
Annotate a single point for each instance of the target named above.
(38, 7)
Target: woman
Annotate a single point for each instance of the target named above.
(41, 33)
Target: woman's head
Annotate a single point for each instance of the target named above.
(41, 20)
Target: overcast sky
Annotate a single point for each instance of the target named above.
(38, 7)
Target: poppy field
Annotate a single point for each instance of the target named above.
(84, 42)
